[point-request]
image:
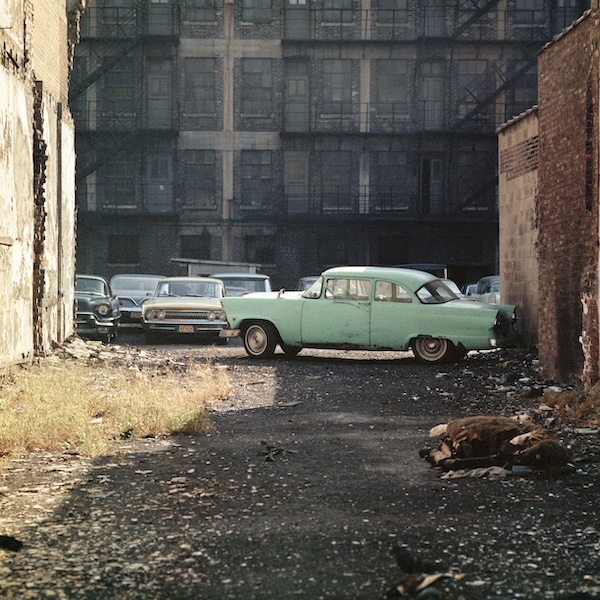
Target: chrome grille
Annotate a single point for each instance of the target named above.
(186, 315)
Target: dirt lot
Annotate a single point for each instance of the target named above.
(311, 476)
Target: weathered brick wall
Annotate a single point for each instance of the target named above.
(568, 208)
(518, 154)
(37, 179)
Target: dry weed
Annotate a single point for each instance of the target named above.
(579, 406)
(83, 408)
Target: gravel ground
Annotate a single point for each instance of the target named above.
(311, 476)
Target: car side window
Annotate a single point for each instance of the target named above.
(348, 289)
(386, 291)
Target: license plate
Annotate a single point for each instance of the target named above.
(103, 329)
(136, 315)
(186, 329)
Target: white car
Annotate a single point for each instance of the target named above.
(239, 284)
(185, 306)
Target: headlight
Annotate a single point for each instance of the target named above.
(215, 316)
(103, 309)
(161, 314)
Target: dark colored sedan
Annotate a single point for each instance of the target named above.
(97, 314)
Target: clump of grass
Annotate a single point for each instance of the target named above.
(50, 406)
(579, 406)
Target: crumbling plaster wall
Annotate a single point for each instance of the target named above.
(37, 178)
(518, 160)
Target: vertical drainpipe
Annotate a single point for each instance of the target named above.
(227, 239)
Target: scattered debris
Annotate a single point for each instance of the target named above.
(487, 441)
(270, 452)
(419, 575)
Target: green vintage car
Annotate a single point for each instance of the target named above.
(370, 308)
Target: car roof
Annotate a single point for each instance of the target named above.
(240, 275)
(138, 275)
(184, 279)
(91, 277)
(411, 277)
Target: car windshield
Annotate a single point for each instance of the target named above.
(140, 284)
(314, 291)
(90, 286)
(436, 292)
(238, 286)
(199, 289)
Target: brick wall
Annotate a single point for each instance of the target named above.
(568, 207)
(518, 153)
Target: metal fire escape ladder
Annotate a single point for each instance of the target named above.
(107, 64)
(506, 85)
(476, 15)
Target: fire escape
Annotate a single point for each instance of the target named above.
(113, 110)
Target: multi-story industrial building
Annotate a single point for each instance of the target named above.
(299, 134)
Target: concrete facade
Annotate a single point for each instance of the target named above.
(300, 135)
(37, 177)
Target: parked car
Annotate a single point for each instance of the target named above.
(132, 291)
(485, 283)
(97, 314)
(492, 296)
(185, 306)
(370, 308)
(237, 284)
(305, 282)
(470, 290)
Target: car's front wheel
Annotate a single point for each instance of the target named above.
(260, 340)
(432, 350)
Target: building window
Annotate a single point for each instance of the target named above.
(394, 12)
(118, 87)
(159, 186)
(529, 12)
(120, 175)
(256, 179)
(199, 94)
(195, 246)
(257, 86)
(432, 95)
(256, 11)
(199, 178)
(337, 11)
(296, 181)
(116, 11)
(390, 181)
(431, 186)
(337, 87)
(476, 177)
(201, 11)
(472, 86)
(392, 88)
(433, 17)
(524, 89)
(468, 9)
(260, 249)
(336, 177)
(123, 249)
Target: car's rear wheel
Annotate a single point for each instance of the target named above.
(432, 350)
(290, 350)
(260, 340)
